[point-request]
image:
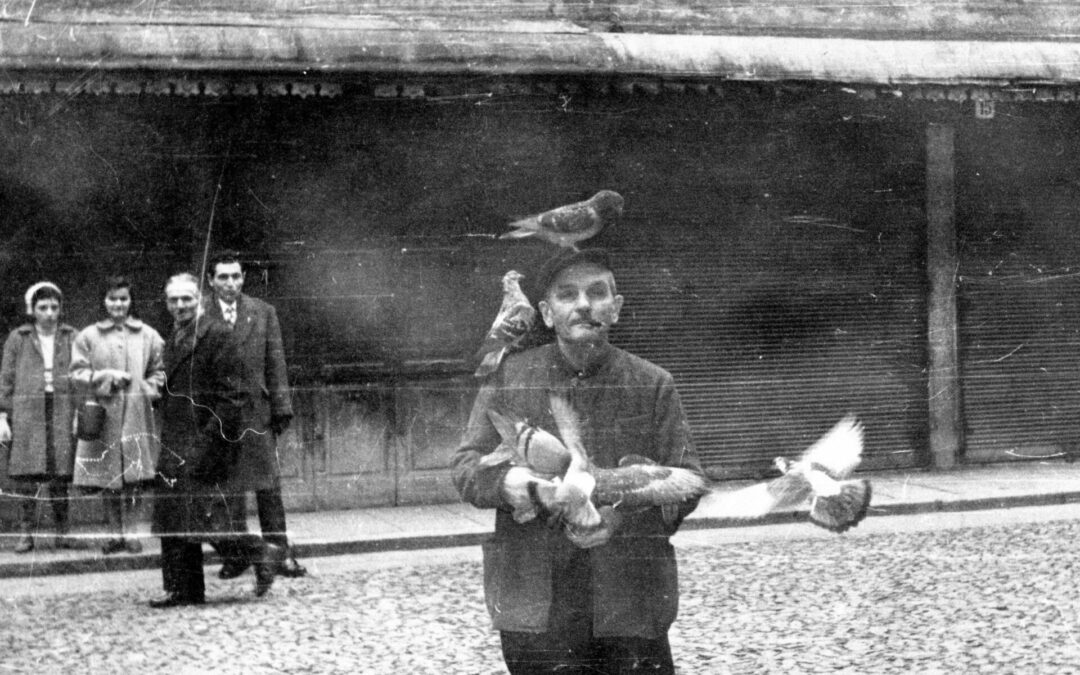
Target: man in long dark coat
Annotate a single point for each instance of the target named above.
(268, 409)
(201, 422)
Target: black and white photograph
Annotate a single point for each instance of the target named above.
(483, 337)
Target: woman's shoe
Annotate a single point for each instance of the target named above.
(133, 545)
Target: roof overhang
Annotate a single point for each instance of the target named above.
(347, 44)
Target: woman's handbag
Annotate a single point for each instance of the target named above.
(90, 421)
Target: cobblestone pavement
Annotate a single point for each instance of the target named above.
(989, 599)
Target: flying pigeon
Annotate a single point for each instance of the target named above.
(515, 318)
(820, 476)
(565, 226)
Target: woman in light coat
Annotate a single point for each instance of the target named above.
(36, 412)
(118, 362)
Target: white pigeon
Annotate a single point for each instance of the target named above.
(513, 322)
(568, 225)
(820, 476)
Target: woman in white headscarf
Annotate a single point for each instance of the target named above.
(36, 413)
(117, 362)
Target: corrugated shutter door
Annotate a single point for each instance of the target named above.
(774, 337)
(1019, 301)
(1020, 337)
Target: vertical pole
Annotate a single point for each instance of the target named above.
(942, 263)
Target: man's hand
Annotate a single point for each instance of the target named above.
(610, 520)
(515, 491)
(5, 430)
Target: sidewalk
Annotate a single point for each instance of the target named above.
(326, 533)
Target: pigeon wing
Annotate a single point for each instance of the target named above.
(566, 419)
(577, 218)
(839, 451)
(545, 453)
(647, 485)
(790, 490)
(761, 499)
(843, 511)
(584, 219)
(507, 452)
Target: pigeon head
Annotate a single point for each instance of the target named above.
(511, 281)
(609, 205)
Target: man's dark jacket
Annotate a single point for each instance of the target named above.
(627, 406)
(200, 408)
(264, 378)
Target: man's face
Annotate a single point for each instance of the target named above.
(227, 281)
(581, 304)
(182, 298)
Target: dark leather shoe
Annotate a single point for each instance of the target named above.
(291, 568)
(266, 567)
(175, 600)
(233, 569)
(112, 546)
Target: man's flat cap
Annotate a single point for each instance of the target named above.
(567, 257)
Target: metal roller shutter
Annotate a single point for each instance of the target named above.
(773, 339)
(1020, 357)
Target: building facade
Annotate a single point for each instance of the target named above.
(826, 211)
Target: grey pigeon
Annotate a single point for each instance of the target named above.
(568, 225)
(513, 322)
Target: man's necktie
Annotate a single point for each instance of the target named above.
(230, 314)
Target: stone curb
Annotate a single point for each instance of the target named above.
(143, 561)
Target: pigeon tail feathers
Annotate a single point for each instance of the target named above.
(845, 510)
(490, 363)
